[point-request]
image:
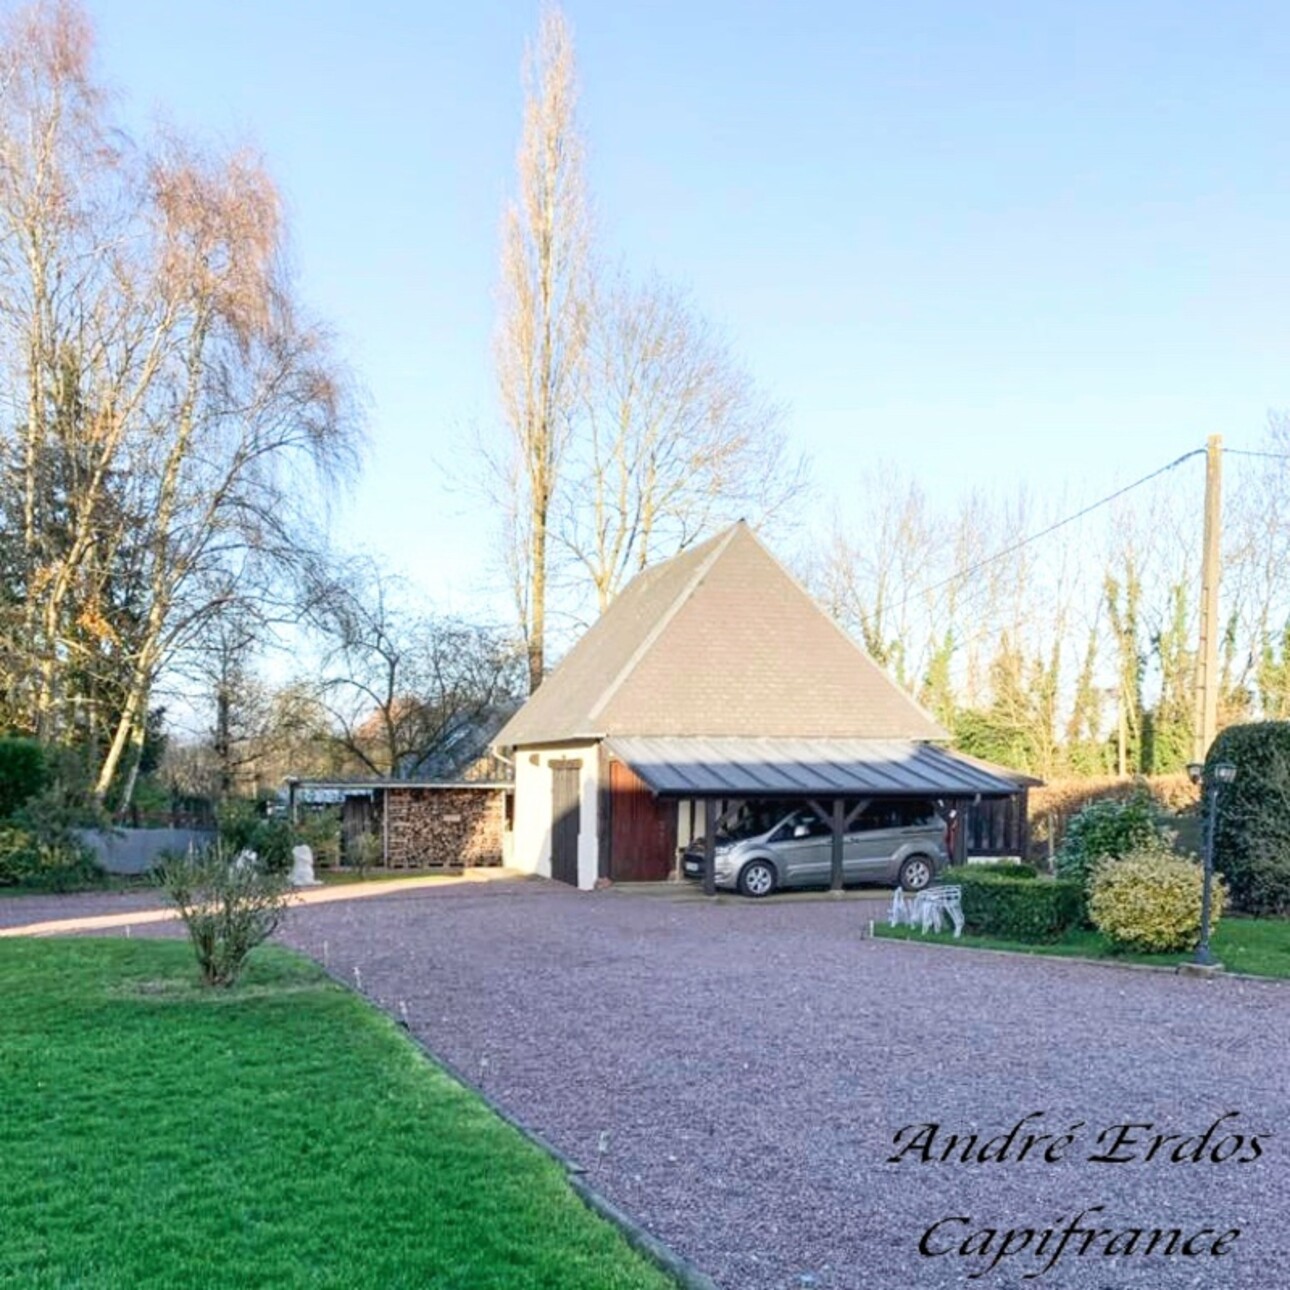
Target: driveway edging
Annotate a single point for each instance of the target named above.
(666, 1259)
(1225, 975)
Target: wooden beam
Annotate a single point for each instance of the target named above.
(709, 846)
(838, 826)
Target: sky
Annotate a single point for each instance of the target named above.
(993, 244)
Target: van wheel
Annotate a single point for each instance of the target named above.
(916, 873)
(757, 878)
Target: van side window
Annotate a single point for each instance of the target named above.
(899, 813)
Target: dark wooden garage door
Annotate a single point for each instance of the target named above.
(565, 810)
(642, 829)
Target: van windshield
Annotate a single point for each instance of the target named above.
(750, 820)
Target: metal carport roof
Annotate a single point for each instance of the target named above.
(730, 768)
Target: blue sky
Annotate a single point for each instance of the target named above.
(995, 244)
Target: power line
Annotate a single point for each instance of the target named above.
(1245, 452)
(1052, 528)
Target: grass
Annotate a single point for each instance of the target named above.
(281, 1134)
(1258, 946)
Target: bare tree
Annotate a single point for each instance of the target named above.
(178, 409)
(541, 337)
(675, 438)
(408, 694)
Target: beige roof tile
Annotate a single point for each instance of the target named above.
(720, 641)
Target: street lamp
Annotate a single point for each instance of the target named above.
(1224, 773)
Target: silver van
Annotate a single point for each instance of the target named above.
(765, 845)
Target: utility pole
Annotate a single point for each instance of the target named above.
(1206, 724)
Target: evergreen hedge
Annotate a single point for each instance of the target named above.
(24, 773)
(1252, 834)
(1016, 907)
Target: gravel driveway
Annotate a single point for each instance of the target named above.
(733, 1074)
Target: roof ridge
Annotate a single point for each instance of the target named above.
(851, 640)
(651, 637)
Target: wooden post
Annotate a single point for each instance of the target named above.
(837, 826)
(709, 846)
(1206, 719)
(960, 834)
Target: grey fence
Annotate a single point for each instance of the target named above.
(132, 851)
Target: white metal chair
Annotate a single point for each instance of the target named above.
(931, 907)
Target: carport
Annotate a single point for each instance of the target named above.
(836, 778)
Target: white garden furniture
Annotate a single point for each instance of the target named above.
(929, 909)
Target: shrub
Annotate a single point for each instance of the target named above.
(24, 772)
(243, 828)
(1016, 907)
(52, 862)
(1108, 829)
(55, 857)
(228, 905)
(1252, 833)
(319, 830)
(16, 848)
(1150, 900)
(993, 869)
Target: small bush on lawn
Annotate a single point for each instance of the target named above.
(1252, 837)
(228, 905)
(1150, 900)
(1107, 829)
(1014, 907)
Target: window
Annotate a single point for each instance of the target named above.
(895, 813)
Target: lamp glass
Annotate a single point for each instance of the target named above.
(1195, 771)
(1225, 772)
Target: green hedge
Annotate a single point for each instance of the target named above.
(1016, 906)
(1252, 837)
(995, 868)
(24, 772)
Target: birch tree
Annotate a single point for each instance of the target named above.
(180, 415)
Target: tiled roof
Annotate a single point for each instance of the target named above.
(722, 641)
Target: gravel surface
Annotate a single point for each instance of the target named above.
(15, 911)
(733, 1075)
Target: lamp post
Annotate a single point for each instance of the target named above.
(1223, 773)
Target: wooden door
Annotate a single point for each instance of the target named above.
(565, 812)
(642, 829)
(357, 819)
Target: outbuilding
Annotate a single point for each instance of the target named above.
(715, 677)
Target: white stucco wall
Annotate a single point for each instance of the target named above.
(531, 845)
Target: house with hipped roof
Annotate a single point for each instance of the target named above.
(715, 677)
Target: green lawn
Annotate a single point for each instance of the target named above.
(283, 1134)
(1259, 946)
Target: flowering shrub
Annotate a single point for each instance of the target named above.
(1150, 900)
